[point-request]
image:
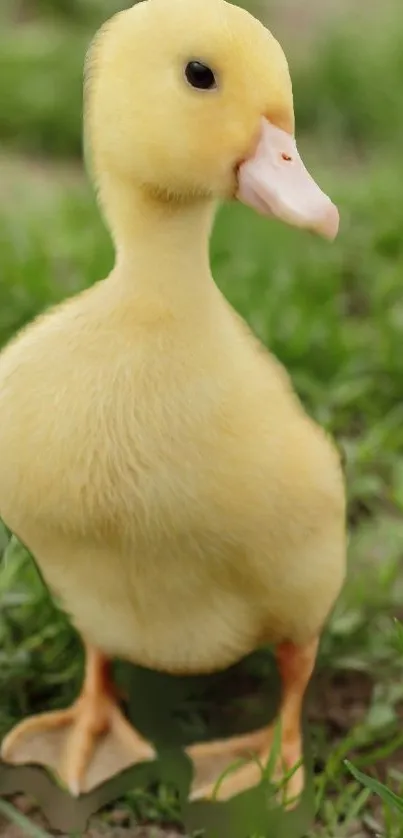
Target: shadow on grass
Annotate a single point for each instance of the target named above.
(155, 702)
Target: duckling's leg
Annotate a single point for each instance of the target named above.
(295, 665)
(85, 744)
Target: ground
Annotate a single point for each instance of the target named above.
(333, 315)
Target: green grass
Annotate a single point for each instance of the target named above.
(332, 314)
(348, 87)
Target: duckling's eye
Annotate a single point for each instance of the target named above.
(200, 75)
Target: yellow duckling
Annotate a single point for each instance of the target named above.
(154, 458)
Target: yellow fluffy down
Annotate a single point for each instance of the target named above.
(153, 457)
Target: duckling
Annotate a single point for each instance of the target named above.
(156, 461)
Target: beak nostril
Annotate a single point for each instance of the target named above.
(291, 196)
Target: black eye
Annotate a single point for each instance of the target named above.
(200, 76)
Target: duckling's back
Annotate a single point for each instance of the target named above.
(166, 479)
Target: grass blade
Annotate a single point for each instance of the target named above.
(30, 829)
(389, 797)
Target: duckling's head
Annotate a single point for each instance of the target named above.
(191, 100)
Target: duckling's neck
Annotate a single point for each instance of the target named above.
(162, 247)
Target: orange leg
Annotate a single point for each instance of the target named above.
(295, 666)
(88, 742)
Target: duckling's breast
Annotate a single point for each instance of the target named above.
(172, 491)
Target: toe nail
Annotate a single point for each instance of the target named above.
(74, 788)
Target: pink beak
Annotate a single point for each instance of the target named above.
(275, 182)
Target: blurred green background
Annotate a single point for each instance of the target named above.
(332, 314)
